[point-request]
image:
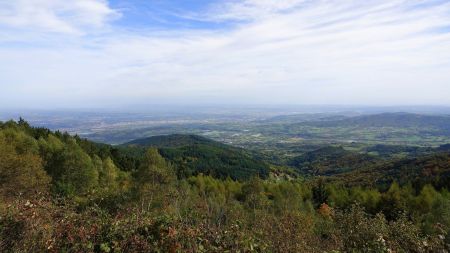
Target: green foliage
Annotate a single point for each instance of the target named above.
(154, 179)
(173, 141)
(75, 168)
(253, 194)
(21, 168)
(154, 169)
(320, 193)
(363, 233)
(192, 155)
(331, 160)
(109, 175)
(98, 206)
(288, 195)
(425, 169)
(77, 174)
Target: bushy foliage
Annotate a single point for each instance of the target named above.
(21, 168)
(63, 194)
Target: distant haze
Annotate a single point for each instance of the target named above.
(118, 53)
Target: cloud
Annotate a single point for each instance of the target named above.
(303, 52)
(250, 9)
(58, 16)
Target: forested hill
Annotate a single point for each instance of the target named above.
(36, 158)
(431, 169)
(61, 193)
(173, 141)
(428, 166)
(407, 120)
(331, 160)
(74, 164)
(192, 154)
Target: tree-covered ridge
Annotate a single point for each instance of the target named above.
(419, 166)
(74, 166)
(173, 141)
(192, 154)
(59, 193)
(330, 161)
(390, 151)
(421, 170)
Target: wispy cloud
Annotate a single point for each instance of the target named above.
(249, 10)
(293, 51)
(55, 15)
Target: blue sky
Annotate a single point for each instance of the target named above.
(99, 53)
(162, 14)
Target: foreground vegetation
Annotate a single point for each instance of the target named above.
(60, 193)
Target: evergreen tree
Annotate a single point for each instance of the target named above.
(320, 193)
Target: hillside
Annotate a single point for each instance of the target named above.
(61, 193)
(418, 166)
(330, 161)
(388, 151)
(173, 141)
(192, 154)
(425, 169)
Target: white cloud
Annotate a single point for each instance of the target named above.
(250, 9)
(61, 16)
(333, 52)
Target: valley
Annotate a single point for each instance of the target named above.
(249, 175)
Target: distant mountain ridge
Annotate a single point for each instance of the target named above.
(439, 122)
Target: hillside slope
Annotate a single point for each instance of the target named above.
(426, 169)
(330, 161)
(192, 154)
(173, 141)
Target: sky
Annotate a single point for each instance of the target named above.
(99, 53)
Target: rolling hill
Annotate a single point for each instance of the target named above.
(425, 169)
(173, 141)
(192, 154)
(330, 160)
